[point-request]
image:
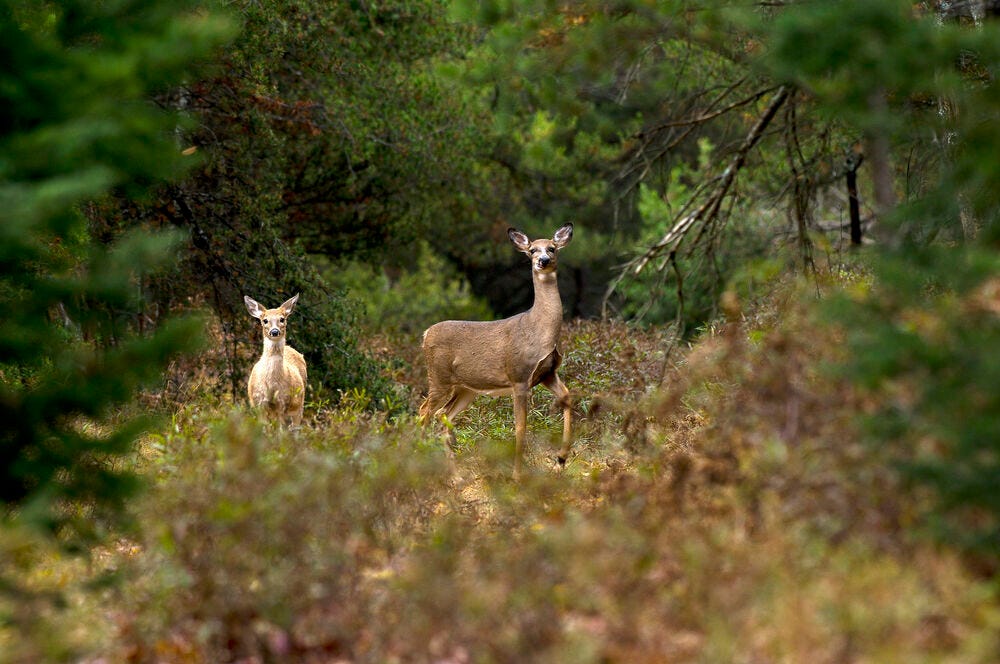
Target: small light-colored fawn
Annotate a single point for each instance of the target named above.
(278, 380)
(509, 356)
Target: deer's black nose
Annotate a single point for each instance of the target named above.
(544, 261)
(274, 332)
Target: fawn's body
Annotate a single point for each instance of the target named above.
(504, 357)
(278, 381)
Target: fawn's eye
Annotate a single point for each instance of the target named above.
(534, 250)
(264, 321)
(281, 320)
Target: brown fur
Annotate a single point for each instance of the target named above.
(278, 381)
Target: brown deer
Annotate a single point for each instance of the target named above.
(509, 356)
(278, 380)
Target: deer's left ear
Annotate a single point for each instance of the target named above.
(563, 236)
(289, 304)
(519, 239)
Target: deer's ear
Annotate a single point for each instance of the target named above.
(255, 309)
(563, 236)
(289, 304)
(519, 239)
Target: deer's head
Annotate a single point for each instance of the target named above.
(272, 321)
(542, 252)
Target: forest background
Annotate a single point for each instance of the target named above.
(784, 311)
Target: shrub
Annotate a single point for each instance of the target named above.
(266, 544)
(414, 300)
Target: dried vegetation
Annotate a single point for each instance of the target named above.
(720, 507)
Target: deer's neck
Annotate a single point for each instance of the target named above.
(274, 350)
(546, 312)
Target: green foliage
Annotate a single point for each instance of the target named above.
(938, 80)
(413, 301)
(75, 349)
(687, 287)
(325, 131)
(924, 339)
(357, 135)
(75, 122)
(597, 110)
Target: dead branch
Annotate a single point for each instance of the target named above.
(709, 208)
(706, 117)
(650, 143)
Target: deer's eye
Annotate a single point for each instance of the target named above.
(281, 320)
(534, 250)
(263, 321)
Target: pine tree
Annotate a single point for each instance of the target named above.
(921, 89)
(76, 123)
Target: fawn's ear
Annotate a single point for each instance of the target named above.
(289, 304)
(255, 309)
(563, 236)
(519, 239)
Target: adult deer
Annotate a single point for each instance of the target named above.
(278, 380)
(509, 356)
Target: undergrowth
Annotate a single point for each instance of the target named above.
(718, 507)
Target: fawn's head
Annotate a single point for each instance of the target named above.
(542, 252)
(272, 321)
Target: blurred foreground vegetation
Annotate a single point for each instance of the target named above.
(733, 515)
(787, 430)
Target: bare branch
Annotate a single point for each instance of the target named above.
(709, 208)
(701, 119)
(651, 145)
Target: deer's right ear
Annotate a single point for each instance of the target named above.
(252, 306)
(519, 239)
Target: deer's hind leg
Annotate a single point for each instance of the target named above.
(436, 399)
(445, 406)
(460, 400)
(561, 392)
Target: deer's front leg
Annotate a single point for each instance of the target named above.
(561, 392)
(520, 425)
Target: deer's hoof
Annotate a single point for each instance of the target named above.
(562, 461)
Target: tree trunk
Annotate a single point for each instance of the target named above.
(853, 163)
(882, 172)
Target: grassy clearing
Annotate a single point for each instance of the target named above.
(719, 508)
